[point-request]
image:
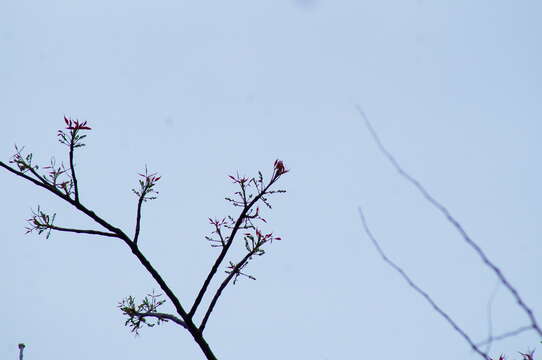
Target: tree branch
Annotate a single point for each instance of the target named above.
(81, 231)
(35, 173)
(226, 247)
(72, 168)
(161, 316)
(221, 288)
(418, 289)
(505, 335)
(44, 184)
(138, 217)
(120, 234)
(452, 221)
(490, 316)
(196, 334)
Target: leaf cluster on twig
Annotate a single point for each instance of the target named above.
(40, 222)
(139, 314)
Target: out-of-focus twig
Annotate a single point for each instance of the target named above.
(418, 289)
(452, 220)
(505, 335)
(490, 317)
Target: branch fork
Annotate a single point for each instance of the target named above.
(62, 182)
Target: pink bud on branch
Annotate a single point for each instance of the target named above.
(280, 169)
(75, 124)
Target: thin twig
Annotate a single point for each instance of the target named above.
(161, 316)
(196, 334)
(219, 232)
(82, 231)
(35, 173)
(505, 335)
(44, 183)
(138, 217)
(225, 248)
(72, 167)
(418, 289)
(222, 287)
(75, 204)
(490, 316)
(453, 221)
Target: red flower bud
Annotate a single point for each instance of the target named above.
(279, 167)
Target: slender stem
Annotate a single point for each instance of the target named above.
(220, 235)
(81, 231)
(196, 334)
(225, 249)
(138, 217)
(44, 184)
(162, 316)
(35, 173)
(221, 288)
(75, 187)
(505, 335)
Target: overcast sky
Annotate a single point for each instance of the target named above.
(200, 90)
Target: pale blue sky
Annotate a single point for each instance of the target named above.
(199, 90)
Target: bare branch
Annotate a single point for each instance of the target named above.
(505, 335)
(419, 290)
(162, 316)
(138, 218)
(41, 178)
(221, 288)
(81, 231)
(452, 221)
(120, 234)
(191, 327)
(490, 316)
(73, 141)
(42, 183)
(196, 334)
(226, 247)
(72, 168)
(144, 194)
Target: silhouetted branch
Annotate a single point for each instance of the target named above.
(82, 231)
(247, 206)
(221, 288)
(196, 334)
(42, 183)
(453, 221)
(145, 193)
(138, 219)
(72, 168)
(62, 184)
(222, 254)
(163, 317)
(38, 176)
